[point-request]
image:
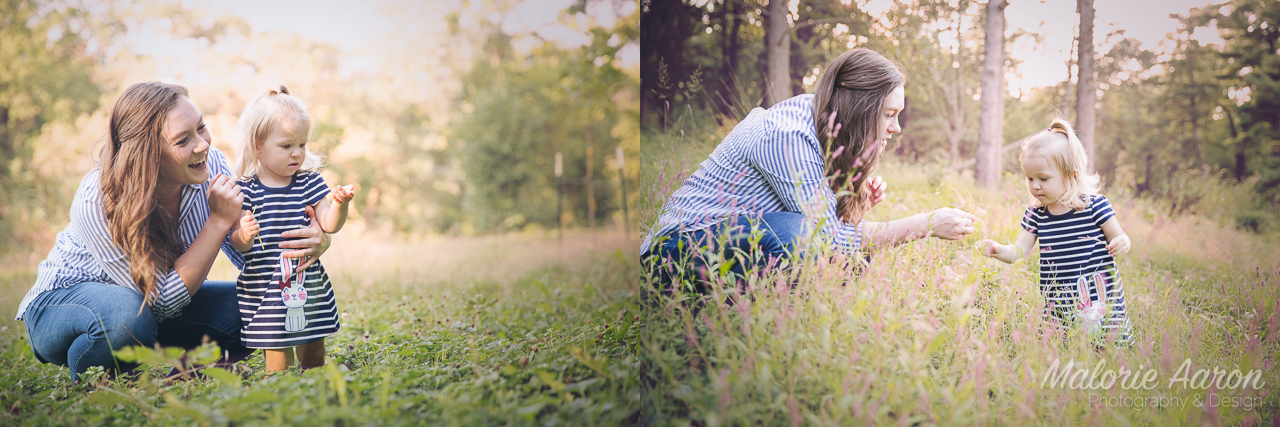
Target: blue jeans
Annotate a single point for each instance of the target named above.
(685, 256)
(79, 326)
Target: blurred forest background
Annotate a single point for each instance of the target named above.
(1194, 125)
(451, 124)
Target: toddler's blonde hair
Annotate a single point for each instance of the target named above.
(1060, 146)
(271, 108)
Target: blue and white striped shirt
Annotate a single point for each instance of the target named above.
(772, 161)
(84, 251)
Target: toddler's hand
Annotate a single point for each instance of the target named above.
(989, 248)
(877, 187)
(1119, 245)
(249, 226)
(343, 194)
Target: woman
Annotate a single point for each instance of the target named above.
(145, 228)
(800, 168)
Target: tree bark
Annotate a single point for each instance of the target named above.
(991, 120)
(729, 94)
(777, 49)
(1066, 92)
(1242, 165)
(1085, 99)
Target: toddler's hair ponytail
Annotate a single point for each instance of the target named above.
(1060, 146)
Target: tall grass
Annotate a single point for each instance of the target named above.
(501, 330)
(932, 333)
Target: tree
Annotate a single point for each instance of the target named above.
(47, 78)
(666, 27)
(1251, 31)
(526, 108)
(777, 36)
(991, 120)
(822, 31)
(1086, 114)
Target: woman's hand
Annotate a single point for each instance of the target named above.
(950, 223)
(877, 187)
(224, 200)
(310, 242)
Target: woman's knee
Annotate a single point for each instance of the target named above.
(124, 328)
(782, 232)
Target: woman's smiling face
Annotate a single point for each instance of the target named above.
(182, 160)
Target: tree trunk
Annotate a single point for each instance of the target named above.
(1195, 114)
(1066, 93)
(729, 94)
(991, 122)
(777, 49)
(1242, 166)
(591, 185)
(1085, 114)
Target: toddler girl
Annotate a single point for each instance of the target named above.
(284, 302)
(1078, 235)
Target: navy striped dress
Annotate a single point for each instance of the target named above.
(1072, 245)
(258, 289)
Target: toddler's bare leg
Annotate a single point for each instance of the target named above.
(279, 359)
(311, 355)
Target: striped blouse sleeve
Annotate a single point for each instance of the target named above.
(792, 165)
(88, 220)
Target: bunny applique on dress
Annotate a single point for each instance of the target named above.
(1091, 311)
(293, 295)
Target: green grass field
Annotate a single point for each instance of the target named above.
(527, 330)
(934, 334)
(497, 330)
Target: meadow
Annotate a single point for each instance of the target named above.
(932, 333)
(525, 329)
(515, 329)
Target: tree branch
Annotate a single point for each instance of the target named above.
(971, 162)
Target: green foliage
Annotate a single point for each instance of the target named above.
(1255, 221)
(933, 333)
(1212, 106)
(557, 346)
(50, 58)
(1251, 31)
(522, 110)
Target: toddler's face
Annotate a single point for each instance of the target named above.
(281, 154)
(1044, 180)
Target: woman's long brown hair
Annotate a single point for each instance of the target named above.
(130, 167)
(853, 87)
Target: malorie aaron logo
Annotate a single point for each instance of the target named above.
(1080, 377)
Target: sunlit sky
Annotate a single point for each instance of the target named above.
(1045, 65)
(357, 26)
